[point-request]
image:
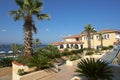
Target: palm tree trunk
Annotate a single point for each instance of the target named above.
(28, 37)
(28, 43)
(101, 42)
(89, 40)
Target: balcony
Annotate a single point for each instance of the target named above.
(118, 36)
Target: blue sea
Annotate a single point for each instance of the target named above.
(8, 47)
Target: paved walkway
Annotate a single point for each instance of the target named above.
(6, 73)
(68, 72)
(65, 73)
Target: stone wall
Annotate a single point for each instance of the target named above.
(36, 75)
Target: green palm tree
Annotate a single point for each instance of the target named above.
(2, 46)
(28, 8)
(101, 38)
(94, 70)
(36, 42)
(40, 62)
(15, 48)
(88, 30)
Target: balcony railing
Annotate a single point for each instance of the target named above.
(118, 36)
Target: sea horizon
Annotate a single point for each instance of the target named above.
(8, 47)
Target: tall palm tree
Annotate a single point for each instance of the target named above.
(88, 30)
(94, 70)
(28, 8)
(101, 38)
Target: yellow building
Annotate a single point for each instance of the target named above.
(110, 37)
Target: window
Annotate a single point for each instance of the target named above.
(77, 39)
(61, 46)
(85, 37)
(97, 37)
(92, 37)
(68, 46)
(106, 36)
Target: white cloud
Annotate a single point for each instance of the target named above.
(3, 30)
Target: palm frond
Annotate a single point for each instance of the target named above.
(94, 69)
(20, 2)
(43, 16)
(16, 15)
(34, 28)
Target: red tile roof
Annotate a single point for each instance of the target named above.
(74, 36)
(109, 31)
(59, 43)
(75, 42)
(83, 34)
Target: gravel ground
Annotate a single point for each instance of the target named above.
(6, 73)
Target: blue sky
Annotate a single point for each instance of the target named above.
(68, 17)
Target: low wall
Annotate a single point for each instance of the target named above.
(35, 75)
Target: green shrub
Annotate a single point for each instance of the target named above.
(94, 70)
(40, 62)
(97, 51)
(104, 48)
(65, 52)
(74, 51)
(20, 72)
(72, 58)
(22, 59)
(49, 51)
(110, 47)
(87, 49)
(5, 62)
(89, 53)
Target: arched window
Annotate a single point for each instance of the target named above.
(61, 46)
(76, 46)
(68, 46)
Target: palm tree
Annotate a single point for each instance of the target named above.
(27, 9)
(88, 30)
(3, 47)
(36, 42)
(94, 70)
(40, 62)
(101, 38)
(15, 48)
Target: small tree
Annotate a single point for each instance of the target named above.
(2, 46)
(15, 48)
(36, 42)
(88, 30)
(94, 70)
(101, 38)
(39, 61)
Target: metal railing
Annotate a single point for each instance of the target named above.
(111, 55)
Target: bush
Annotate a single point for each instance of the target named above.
(49, 51)
(6, 62)
(40, 62)
(22, 59)
(87, 49)
(72, 58)
(66, 52)
(94, 70)
(89, 53)
(20, 72)
(104, 48)
(110, 47)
